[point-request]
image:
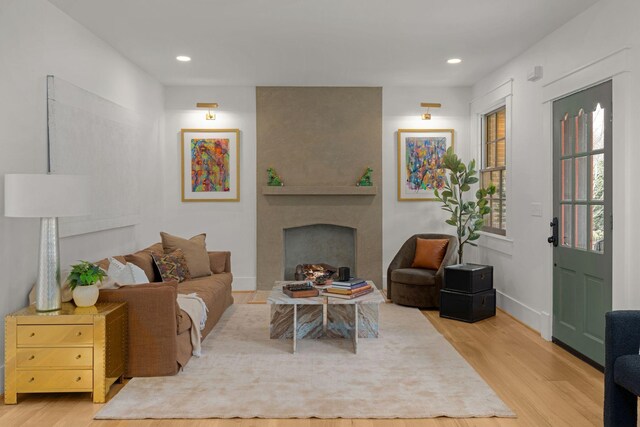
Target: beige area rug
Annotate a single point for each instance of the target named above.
(410, 371)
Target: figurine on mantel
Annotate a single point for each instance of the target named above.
(273, 178)
(365, 179)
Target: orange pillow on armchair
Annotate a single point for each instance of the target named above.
(429, 253)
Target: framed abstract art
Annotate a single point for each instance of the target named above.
(210, 165)
(420, 168)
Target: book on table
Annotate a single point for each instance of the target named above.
(347, 296)
(347, 291)
(350, 282)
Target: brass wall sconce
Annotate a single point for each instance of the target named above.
(209, 106)
(429, 106)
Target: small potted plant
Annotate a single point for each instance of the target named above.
(82, 281)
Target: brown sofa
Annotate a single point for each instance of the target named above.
(159, 332)
(418, 287)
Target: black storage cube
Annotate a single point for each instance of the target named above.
(468, 277)
(467, 307)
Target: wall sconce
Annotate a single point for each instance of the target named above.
(209, 106)
(429, 106)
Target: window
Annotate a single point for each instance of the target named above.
(494, 169)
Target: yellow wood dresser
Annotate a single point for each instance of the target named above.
(75, 349)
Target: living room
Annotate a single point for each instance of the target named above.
(320, 92)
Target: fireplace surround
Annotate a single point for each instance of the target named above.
(319, 140)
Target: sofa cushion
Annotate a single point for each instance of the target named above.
(194, 249)
(214, 291)
(218, 261)
(414, 276)
(626, 372)
(429, 253)
(144, 260)
(172, 266)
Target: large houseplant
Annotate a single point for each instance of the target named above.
(82, 281)
(466, 216)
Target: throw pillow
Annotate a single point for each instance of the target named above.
(429, 253)
(126, 274)
(195, 252)
(172, 266)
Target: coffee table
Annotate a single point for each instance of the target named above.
(323, 316)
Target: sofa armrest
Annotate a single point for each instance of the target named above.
(220, 261)
(153, 327)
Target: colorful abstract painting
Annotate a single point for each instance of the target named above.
(210, 165)
(424, 169)
(420, 168)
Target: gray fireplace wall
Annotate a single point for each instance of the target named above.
(318, 136)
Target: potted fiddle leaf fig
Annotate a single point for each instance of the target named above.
(82, 281)
(467, 216)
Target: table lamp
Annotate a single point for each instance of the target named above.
(47, 196)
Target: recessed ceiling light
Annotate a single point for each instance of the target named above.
(454, 61)
(183, 58)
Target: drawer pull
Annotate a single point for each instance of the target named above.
(78, 356)
(32, 379)
(78, 379)
(32, 357)
(79, 333)
(33, 334)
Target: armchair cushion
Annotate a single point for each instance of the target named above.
(429, 253)
(414, 276)
(627, 372)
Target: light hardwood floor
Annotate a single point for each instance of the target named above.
(542, 383)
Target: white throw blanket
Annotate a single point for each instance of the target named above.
(195, 307)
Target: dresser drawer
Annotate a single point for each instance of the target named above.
(54, 357)
(54, 380)
(45, 335)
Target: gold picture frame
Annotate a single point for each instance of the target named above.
(419, 153)
(211, 158)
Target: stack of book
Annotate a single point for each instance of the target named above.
(349, 289)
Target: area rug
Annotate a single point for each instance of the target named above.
(410, 371)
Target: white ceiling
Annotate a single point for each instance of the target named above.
(321, 42)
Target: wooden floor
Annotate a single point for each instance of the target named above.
(542, 383)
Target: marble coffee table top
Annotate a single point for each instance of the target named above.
(278, 297)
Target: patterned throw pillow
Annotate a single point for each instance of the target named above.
(172, 266)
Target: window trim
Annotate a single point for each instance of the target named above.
(489, 100)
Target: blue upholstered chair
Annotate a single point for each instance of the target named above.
(622, 369)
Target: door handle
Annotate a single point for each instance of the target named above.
(554, 232)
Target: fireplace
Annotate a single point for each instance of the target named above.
(319, 243)
(320, 140)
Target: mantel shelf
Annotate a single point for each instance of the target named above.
(319, 190)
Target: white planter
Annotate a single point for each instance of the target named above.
(85, 296)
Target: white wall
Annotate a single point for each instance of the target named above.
(229, 225)
(401, 110)
(37, 39)
(524, 267)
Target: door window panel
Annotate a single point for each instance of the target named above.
(597, 228)
(567, 136)
(597, 174)
(567, 168)
(565, 226)
(581, 227)
(598, 128)
(581, 178)
(581, 132)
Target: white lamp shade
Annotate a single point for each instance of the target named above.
(46, 196)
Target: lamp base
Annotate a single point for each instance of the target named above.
(48, 284)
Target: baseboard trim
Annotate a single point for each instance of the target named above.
(243, 284)
(519, 310)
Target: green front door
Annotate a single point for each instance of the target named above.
(582, 140)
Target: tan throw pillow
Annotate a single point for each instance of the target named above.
(429, 253)
(195, 252)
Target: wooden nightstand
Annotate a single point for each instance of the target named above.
(75, 349)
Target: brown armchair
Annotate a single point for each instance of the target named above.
(418, 287)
